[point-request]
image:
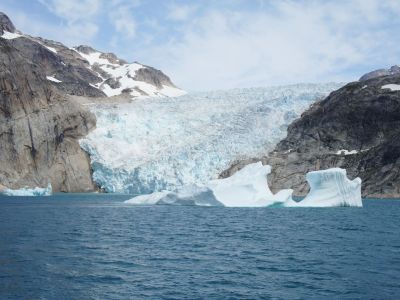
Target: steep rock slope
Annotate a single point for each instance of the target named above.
(39, 129)
(356, 128)
(41, 123)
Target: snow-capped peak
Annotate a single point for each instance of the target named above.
(119, 77)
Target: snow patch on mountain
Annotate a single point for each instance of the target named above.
(10, 35)
(392, 87)
(51, 78)
(120, 77)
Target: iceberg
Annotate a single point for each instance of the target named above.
(37, 191)
(158, 144)
(188, 195)
(246, 188)
(249, 188)
(330, 188)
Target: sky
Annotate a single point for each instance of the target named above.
(222, 44)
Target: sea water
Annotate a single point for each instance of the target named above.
(96, 247)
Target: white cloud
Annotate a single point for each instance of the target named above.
(291, 42)
(123, 21)
(79, 16)
(73, 10)
(180, 12)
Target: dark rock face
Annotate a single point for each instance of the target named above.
(153, 76)
(381, 72)
(6, 24)
(39, 128)
(361, 116)
(66, 65)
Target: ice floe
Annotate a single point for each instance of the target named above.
(37, 191)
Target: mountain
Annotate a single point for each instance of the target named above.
(41, 123)
(381, 72)
(356, 127)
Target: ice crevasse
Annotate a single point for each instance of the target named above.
(249, 188)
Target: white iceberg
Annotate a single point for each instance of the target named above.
(249, 188)
(188, 195)
(246, 188)
(330, 188)
(37, 191)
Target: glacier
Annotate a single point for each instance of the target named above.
(329, 188)
(249, 188)
(156, 144)
(37, 191)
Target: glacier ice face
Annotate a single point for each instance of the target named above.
(164, 143)
(330, 188)
(246, 188)
(37, 191)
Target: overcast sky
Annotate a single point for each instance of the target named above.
(204, 45)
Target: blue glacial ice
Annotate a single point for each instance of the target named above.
(330, 188)
(37, 191)
(158, 144)
(249, 188)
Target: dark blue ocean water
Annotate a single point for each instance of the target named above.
(95, 247)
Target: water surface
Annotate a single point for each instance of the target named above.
(96, 247)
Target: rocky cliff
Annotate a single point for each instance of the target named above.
(41, 123)
(355, 127)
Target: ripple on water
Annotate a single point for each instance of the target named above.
(88, 247)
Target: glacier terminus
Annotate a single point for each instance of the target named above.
(156, 144)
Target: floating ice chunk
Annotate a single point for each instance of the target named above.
(249, 188)
(392, 87)
(10, 35)
(188, 195)
(148, 199)
(246, 188)
(51, 78)
(330, 188)
(37, 191)
(346, 152)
